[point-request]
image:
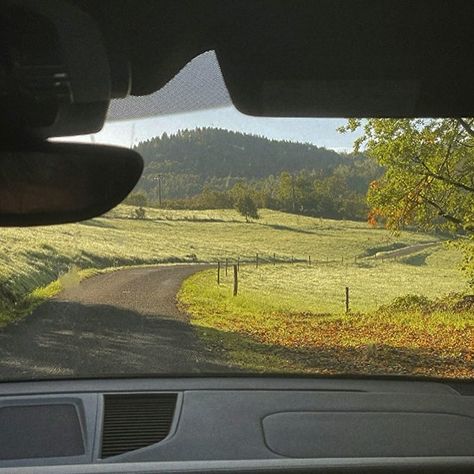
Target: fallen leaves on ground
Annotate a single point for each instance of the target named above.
(361, 345)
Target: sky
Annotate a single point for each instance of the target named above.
(320, 132)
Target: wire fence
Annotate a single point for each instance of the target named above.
(231, 266)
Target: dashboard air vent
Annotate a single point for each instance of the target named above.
(133, 421)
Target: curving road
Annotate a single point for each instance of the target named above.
(120, 323)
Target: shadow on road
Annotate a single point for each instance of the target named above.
(79, 340)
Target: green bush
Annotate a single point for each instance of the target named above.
(137, 199)
(452, 302)
(410, 303)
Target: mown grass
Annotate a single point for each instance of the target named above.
(34, 257)
(320, 288)
(291, 317)
(283, 312)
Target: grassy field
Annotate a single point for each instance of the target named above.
(320, 288)
(33, 257)
(291, 317)
(283, 312)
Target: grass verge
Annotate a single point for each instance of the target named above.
(24, 306)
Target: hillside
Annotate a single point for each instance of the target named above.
(190, 160)
(222, 153)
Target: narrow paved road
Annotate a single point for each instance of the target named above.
(120, 323)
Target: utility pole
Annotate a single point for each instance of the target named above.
(293, 191)
(158, 178)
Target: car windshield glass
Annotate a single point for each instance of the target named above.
(254, 245)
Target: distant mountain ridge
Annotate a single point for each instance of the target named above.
(222, 153)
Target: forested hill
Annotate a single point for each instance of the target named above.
(209, 168)
(221, 153)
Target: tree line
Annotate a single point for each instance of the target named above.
(341, 195)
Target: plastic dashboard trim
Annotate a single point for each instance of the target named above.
(434, 465)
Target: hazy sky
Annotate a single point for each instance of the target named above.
(321, 132)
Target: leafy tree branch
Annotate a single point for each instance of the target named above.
(429, 175)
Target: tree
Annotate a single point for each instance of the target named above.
(137, 199)
(429, 175)
(247, 207)
(212, 199)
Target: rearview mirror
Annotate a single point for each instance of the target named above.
(55, 183)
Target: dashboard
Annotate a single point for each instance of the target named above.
(236, 424)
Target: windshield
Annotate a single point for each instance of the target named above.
(255, 245)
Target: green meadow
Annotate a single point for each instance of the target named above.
(34, 257)
(320, 287)
(289, 315)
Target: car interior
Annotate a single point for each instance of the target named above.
(66, 67)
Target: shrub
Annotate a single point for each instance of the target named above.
(452, 302)
(136, 199)
(140, 213)
(409, 303)
(247, 207)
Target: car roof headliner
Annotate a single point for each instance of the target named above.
(304, 58)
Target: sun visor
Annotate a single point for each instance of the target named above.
(352, 59)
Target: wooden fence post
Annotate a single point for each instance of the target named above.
(309, 260)
(236, 281)
(347, 299)
(256, 260)
(274, 259)
(218, 272)
(226, 265)
(238, 263)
